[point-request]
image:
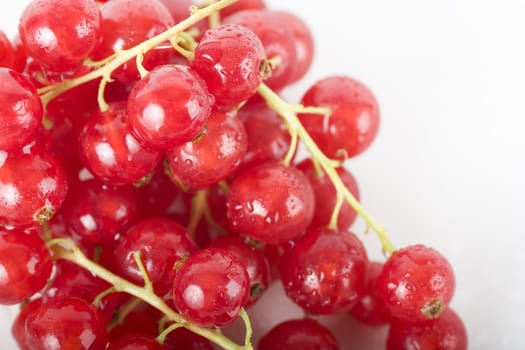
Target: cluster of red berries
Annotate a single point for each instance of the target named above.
(175, 170)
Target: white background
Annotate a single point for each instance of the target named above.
(448, 167)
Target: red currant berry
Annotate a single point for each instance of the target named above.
(231, 60)
(21, 110)
(326, 196)
(354, 119)
(18, 328)
(169, 106)
(179, 9)
(66, 323)
(271, 203)
(325, 272)
(127, 23)
(60, 34)
(302, 334)
(111, 152)
(254, 261)
(161, 243)
(444, 333)
(7, 52)
(243, 5)
(370, 309)
(181, 338)
(416, 283)
(70, 280)
(137, 322)
(268, 138)
(25, 265)
(212, 156)
(135, 342)
(277, 39)
(211, 287)
(304, 43)
(94, 213)
(33, 186)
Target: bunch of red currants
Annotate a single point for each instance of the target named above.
(151, 188)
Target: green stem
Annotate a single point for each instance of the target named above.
(289, 113)
(74, 255)
(50, 92)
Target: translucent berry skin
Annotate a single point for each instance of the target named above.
(325, 272)
(94, 213)
(271, 203)
(25, 263)
(304, 43)
(277, 39)
(7, 52)
(254, 261)
(21, 110)
(354, 119)
(33, 186)
(135, 342)
(326, 196)
(444, 333)
(243, 5)
(416, 283)
(211, 287)
(60, 34)
(230, 58)
(181, 338)
(268, 139)
(18, 329)
(179, 9)
(304, 334)
(66, 323)
(161, 243)
(211, 157)
(111, 152)
(127, 23)
(162, 121)
(370, 309)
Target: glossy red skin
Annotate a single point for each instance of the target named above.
(127, 23)
(20, 55)
(304, 43)
(412, 279)
(179, 9)
(60, 34)
(271, 203)
(160, 197)
(70, 323)
(161, 121)
(304, 334)
(181, 338)
(70, 280)
(111, 152)
(277, 39)
(325, 272)
(444, 333)
(25, 263)
(325, 196)
(268, 139)
(370, 309)
(229, 58)
(94, 213)
(354, 119)
(32, 182)
(211, 157)
(7, 52)
(139, 322)
(211, 287)
(135, 342)
(18, 329)
(21, 110)
(243, 5)
(254, 261)
(161, 242)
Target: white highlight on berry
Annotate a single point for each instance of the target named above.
(9, 195)
(153, 117)
(105, 153)
(194, 296)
